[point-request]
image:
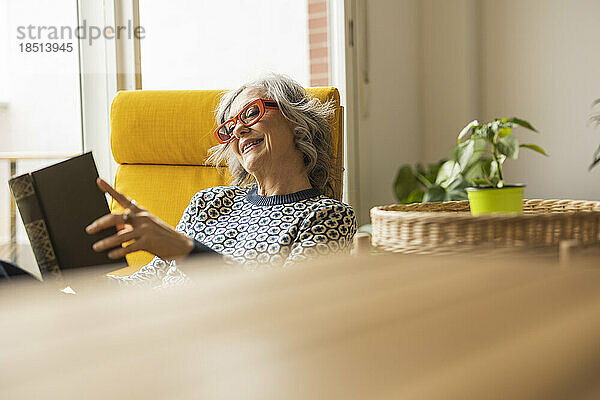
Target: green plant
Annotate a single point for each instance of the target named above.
(425, 184)
(595, 120)
(476, 161)
(483, 148)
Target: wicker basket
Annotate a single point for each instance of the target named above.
(448, 227)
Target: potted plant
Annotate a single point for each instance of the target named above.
(483, 148)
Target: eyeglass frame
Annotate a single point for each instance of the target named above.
(263, 104)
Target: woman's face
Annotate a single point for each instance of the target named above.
(264, 147)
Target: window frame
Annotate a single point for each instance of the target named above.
(105, 67)
(344, 73)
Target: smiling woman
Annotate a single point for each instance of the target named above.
(276, 142)
(307, 137)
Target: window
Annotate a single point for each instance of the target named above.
(219, 45)
(40, 115)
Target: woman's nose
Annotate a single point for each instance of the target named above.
(239, 129)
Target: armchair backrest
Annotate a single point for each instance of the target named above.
(160, 139)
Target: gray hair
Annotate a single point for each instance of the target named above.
(312, 133)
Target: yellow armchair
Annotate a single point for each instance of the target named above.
(160, 139)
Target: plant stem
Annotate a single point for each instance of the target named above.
(498, 164)
(423, 180)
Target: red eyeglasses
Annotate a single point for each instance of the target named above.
(250, 115)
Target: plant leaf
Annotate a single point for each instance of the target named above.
(509, 146)
(522, 122)
(433, 169)
(448, 172)
(480, 182)
(486, 167)
(455, 195)
(458, 185)
(434, 193)
(486, 133)
(597, 152)
(594, 163)
(423, 180)
(504, 132)
(595, 103)
(466, 129)
(480, 145)
(596, 159)
(481, 148)
(465, 154)
(416, 196)
(405, 183)
(495, 126)
(534, 147)
(479, 170)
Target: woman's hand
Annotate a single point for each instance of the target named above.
(146, 231)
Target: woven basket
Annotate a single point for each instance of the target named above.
(448, 227)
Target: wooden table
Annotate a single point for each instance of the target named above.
(385, 327)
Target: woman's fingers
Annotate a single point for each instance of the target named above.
(119, 197)
(115, 240)
(107, 221)
(121, 252)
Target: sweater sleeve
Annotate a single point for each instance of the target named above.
(160, 272)
(326, 230)
(150, 275)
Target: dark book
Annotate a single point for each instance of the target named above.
(56, 203)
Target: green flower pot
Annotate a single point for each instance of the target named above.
(489, 200)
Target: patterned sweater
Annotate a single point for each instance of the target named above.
(253, 230)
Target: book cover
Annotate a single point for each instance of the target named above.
(56, 203)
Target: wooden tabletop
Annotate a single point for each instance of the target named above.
(377, 327)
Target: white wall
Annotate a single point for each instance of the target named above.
(388, 135)
(535, 59)
(551, 77)
(449, 74)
